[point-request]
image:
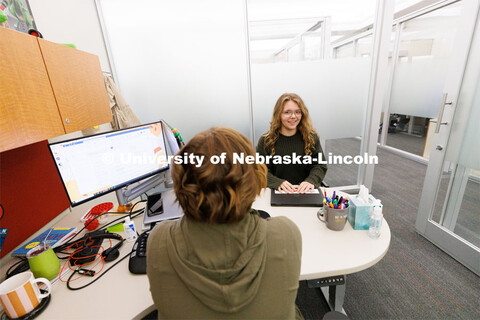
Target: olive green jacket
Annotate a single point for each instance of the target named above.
(247, 270)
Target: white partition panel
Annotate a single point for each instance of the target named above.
(335, 92)
(181, 60)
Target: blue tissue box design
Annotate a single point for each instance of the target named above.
(359, 213)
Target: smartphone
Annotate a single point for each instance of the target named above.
(154, 204)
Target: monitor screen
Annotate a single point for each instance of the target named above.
(95, 165)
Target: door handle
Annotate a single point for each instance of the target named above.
(440, 115)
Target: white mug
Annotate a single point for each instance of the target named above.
(20, 294)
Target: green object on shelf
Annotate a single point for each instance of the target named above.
(116, 228)
(3, 17)
(71, 45)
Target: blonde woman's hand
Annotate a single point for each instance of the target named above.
(305, 187)
(287, 187)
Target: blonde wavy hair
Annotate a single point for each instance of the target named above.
(218, 193)
(305, 127)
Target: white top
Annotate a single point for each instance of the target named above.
(122, 295)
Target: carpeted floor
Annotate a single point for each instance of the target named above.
(415, 280)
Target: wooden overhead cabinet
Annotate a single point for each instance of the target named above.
(47, 90)
(28, 111)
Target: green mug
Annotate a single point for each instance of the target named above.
(43, 262)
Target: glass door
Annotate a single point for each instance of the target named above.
(449, 214)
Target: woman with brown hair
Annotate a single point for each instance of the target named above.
(291, 132)
(222, 260)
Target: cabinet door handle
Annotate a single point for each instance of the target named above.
(67, 120)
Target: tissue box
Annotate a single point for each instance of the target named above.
(359, 213)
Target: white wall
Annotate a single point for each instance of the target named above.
(71, 21)
(182, 61)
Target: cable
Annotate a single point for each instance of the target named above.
(59, 249)
(101, 275)
(18, 267)
(131, 209)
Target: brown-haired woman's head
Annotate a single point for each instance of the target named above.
(223, 192)
(281, 117)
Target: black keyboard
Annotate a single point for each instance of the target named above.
(138, 258)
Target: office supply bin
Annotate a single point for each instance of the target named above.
(359, 213)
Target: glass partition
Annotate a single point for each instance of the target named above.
(345, 51)
(300, 60)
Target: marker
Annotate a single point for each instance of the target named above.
(333, 195)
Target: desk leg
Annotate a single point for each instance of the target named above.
(336, 295)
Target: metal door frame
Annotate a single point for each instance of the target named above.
(442, 235)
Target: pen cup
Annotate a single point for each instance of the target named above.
(43, 262)
(335, 219)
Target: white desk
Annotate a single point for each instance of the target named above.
(327, 253)
(122, 295)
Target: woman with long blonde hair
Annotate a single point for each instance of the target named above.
(292, 134)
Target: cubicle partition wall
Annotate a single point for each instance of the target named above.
(334, 91)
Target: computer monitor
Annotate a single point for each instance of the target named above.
(92, 166)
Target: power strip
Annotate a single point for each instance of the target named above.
(328, 281)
